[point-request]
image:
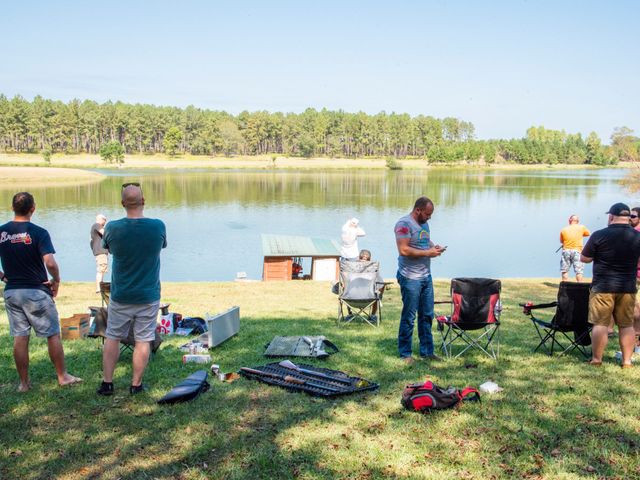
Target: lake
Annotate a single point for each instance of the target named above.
(496, 223)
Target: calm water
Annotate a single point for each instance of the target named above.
(495, 223)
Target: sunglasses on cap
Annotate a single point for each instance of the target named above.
(130, 184)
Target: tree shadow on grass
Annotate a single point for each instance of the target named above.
(234, 431)
(250, 430)
(555, 416)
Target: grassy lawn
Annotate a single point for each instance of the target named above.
(557, 418)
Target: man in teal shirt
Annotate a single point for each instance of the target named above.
(135, 243)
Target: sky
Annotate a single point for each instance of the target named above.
(502, 65)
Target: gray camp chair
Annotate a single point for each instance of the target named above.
(359, 291)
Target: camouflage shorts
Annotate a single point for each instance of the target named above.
(569, 258)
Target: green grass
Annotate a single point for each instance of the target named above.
(557, 418)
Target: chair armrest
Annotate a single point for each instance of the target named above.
(442, 301)
(527, 307)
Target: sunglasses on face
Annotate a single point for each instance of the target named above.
(633, 216)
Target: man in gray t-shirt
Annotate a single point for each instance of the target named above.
(415, 249)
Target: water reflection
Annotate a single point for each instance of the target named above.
(318, 189)
(496, 223)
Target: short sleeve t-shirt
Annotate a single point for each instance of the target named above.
(571, 236)
(615, 251)
(22, 246)
(349, 237)
(96, 240)
(419, 237)
(135, 245)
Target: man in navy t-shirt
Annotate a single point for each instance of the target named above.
(135, 243)
(614, 252)
(26, 253)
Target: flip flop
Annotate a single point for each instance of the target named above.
(593, 364)
(626, 365)
(74, 381)
(20, 390)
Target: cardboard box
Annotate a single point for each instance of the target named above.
(75, 327)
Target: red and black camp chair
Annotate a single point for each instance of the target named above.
(475, 317)
(569, 328)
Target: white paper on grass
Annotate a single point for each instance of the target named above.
(490, 387)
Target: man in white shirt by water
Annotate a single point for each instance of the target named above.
(350, 233)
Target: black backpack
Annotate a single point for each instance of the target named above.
(427, 396)
(197, 325)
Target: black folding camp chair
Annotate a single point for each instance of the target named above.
(359, 292)
(569, 328)
(475, 317)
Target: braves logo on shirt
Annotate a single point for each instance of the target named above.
(16, 238)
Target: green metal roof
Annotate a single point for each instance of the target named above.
(295, 246)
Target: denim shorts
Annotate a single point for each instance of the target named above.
(29, 308)
(144, 318)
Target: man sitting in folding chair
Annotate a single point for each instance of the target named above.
(569, 328)
(475, 316)
(359, 292)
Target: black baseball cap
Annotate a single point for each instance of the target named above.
(619, 210)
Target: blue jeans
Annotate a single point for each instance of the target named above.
(417, 297)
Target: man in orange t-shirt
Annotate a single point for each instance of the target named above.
(571, 238)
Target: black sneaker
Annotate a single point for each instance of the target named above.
(106, 389)
(134, 390)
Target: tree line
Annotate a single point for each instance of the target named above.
(50, 126)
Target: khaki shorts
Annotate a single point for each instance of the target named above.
(603, 305)
(144, 318)
(102, 263)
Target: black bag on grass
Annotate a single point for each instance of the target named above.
(194, 385)
(197, 325)
(427, 396)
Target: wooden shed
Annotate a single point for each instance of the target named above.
(280, 251)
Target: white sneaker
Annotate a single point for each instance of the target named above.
(618, 356)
